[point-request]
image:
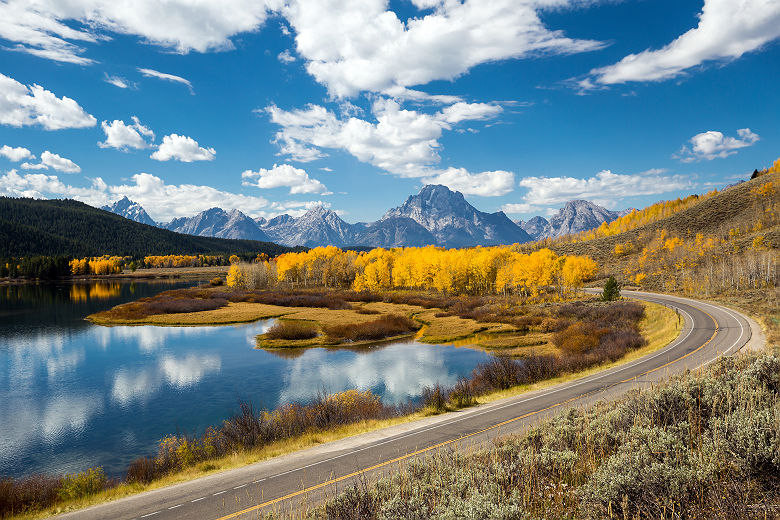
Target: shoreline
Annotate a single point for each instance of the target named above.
(157, 273)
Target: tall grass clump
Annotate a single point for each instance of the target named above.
(380, 328)
(292, 330)
(703, 446)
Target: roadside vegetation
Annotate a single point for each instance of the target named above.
(253, 434)
(702, 446)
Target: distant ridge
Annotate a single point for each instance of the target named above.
(70, 228)
(216, 222)
(576, 216)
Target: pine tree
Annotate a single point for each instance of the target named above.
(611, 290)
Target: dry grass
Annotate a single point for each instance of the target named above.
(446, 329)
(240, 312)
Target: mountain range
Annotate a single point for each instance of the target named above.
(574, 217)
(434, 216)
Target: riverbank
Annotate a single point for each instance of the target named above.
(155, 273)
(658, 327)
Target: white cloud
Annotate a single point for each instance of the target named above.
(520, 208)
(286, 57)
(150, 73)
(604, 188)
(727, 29)
(353, 46)
(15, 154)
(33, 166)
(182, 148)
(284, 175)
(470, 112)
(484, 184)
(55, 162)
(402, 142)
(163, 201)
(38, 27)
(122, 136)
(711, 145)
(117, 81)
(22, 105)
(295, 208)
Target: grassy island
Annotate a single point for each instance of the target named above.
(338, 318)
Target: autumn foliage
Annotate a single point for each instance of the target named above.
(476, 271)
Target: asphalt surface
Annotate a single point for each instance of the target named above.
(296, 482)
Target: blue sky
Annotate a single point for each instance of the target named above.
(278, 106)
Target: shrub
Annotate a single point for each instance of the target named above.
(578, 338)
(435, 398)
(291, 330)
(384, 327)
(216, 282)
(28, 494)
(462, 394)
(83, 484)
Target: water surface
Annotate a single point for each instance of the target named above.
(75, 395)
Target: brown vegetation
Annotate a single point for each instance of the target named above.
(381, 328)
(292, 330)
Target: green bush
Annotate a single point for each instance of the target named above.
(82, 484)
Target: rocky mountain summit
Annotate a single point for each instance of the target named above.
(130, 210)
(576, 216)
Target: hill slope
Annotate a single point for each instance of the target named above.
(730, 216)
(70, 228)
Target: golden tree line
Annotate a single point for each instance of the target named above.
(97, 265)
(478, 270)
(181, 260)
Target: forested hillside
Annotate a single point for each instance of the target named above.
(30, 227)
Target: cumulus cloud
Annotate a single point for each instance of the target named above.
(401, 142)
(15, 154)
(284, 175)
(151, 73)
(40, 28)
(355, 46)
(122, 136)
(350, 46)
(712, 145)
(603, 188)
(485, 184)
(286, 57)
(727, 29)
(182, 148)
(53, 161)
(163, 201)
(22, 105)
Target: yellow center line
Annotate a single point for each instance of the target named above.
(451, 441)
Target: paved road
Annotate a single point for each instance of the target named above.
(296, 481)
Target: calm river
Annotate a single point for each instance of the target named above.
(75, 395)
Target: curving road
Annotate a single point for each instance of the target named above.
(296, 481)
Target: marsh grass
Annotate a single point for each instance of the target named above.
(292, 330)
(384, 327)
